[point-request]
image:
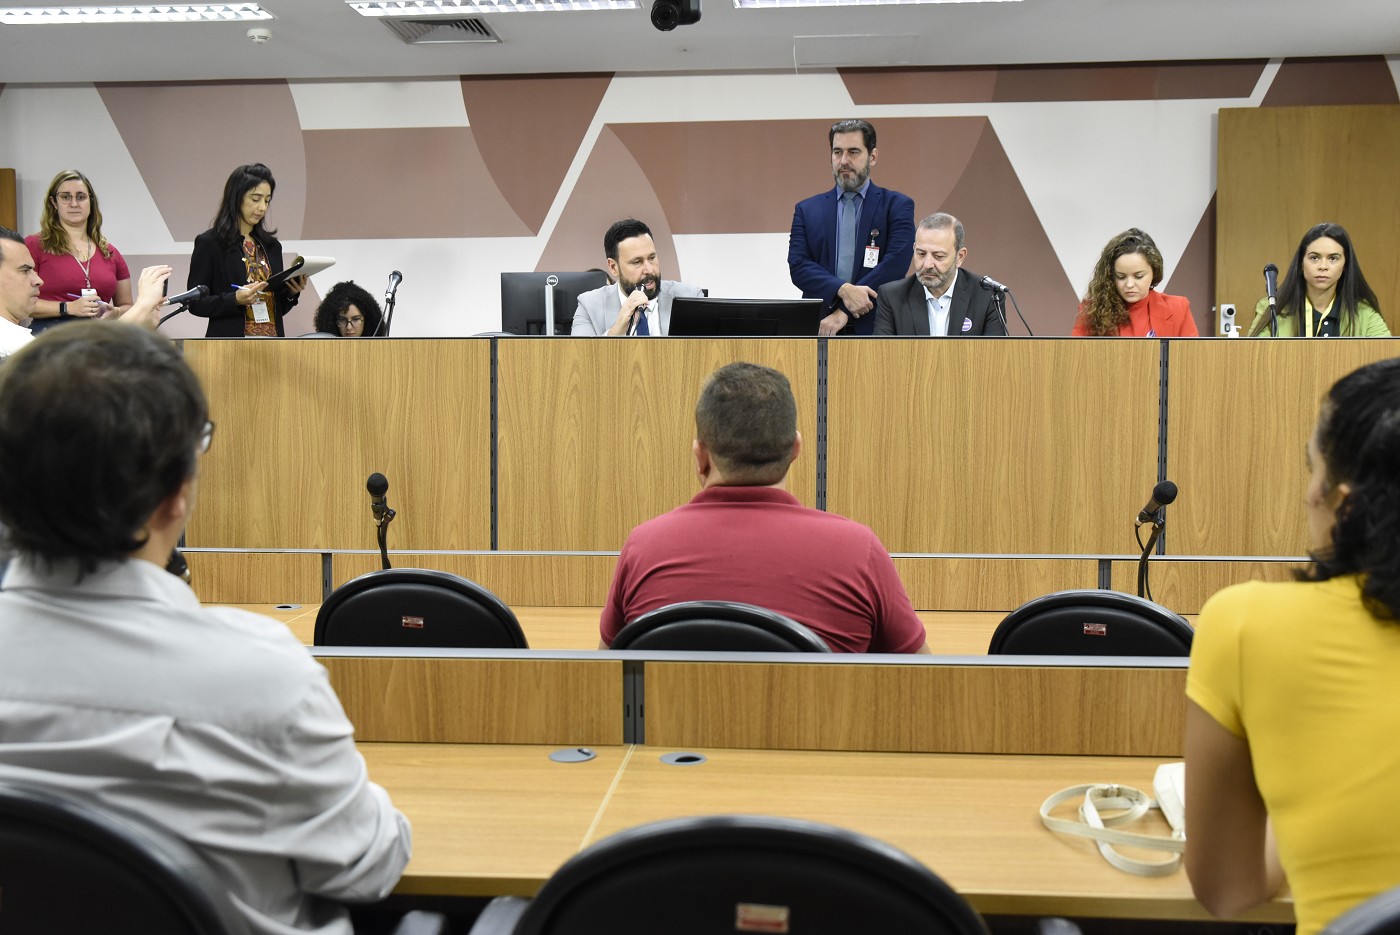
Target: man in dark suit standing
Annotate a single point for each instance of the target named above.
(847, 242)
(941, 298)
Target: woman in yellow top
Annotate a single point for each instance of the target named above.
(1323, 290)
(1293, 713)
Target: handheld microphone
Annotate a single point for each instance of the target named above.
(988, 282)
(378, 486)
(1271, 282)
(394, 279)
(1163, 494)
(198, 292)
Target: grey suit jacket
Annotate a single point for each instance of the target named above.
(902, 308)
(597, 309)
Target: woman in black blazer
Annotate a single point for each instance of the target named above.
(236, 257)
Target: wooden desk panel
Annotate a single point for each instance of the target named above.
(1239, 416)
(255, 577)
(917, 708)
(427, 700)
(989, 584)
(1186, 586)
(972, 819)
(302, 424)
(595, 437)
(541, 579)
(490, 820)
(993, 446)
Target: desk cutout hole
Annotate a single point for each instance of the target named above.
(288, 607)
(572, 755)
(682, 759)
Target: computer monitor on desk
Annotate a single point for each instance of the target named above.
(735, 318)
(526, 296)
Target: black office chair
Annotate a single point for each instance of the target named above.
(1092, 622)
(1379, 915)
(416, 607)
(718, 626)
(697, 876)
(69, 867)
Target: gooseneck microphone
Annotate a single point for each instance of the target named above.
(988, 282)
(394, 279)
(1271, 289)
(378, 486)
(198, 292)
(1162, 495)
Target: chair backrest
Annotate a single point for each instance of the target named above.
(416, 607)
(68, 867)
(718, 626)
(1379, 915)
(1092, 622)
(690, 876)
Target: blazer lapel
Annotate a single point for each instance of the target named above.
(962, 306)
(663, 306)
(870, 209)
(916, 303)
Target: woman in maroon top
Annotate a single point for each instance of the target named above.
(1121, 300)
(84, 275)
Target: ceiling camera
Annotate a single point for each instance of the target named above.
(668, 14)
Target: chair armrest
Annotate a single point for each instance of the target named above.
(500, 916)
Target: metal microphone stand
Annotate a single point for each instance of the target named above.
(382, 524)
(1159, 522)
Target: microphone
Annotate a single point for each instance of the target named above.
(1163, 494)
(378, 486)
(197, 292)
(1271, 283)
(988, 282)
(394, 279)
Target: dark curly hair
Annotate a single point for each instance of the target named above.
(99, 423)
(1352, 288)
(1358, 436)
(1104, 308)
(342, 296)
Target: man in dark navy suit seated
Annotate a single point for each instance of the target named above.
(941, 298)
(849, 241)
(744, 538)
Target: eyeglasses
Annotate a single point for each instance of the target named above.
(346, 322)
(206, 436)
(70, 197)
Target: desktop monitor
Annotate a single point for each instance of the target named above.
(525, 296)
(735, 318)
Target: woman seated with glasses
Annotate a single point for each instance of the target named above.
(349, 312)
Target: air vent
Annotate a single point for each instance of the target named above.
(440, 31)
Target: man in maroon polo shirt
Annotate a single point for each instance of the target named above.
(744, 538)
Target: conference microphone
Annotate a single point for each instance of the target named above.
(378, 486)
(394, 279)
(197, 292)
(1163, 494)
(988, 282)
(1271, 283)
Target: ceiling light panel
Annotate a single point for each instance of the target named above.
(808, 4)
(135, 13)
(477, 7)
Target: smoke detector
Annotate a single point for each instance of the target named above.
(259, 36)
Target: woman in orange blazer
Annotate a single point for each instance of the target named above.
(1121, 301)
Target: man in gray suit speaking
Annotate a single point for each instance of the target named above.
(640, 302)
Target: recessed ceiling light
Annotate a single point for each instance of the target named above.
(135, 13)
(772, 4)
(477, 7)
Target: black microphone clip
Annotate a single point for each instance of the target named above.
(1162, 495)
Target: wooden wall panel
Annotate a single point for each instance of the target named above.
(302, 424)
(916, 709)
(989, 583)
(595, 437)
(255, 577)
(1239, 415)
(1186, 586)
(541, 579)
(1283, 169)
(426, 700)
(993, 446)
(9, 205)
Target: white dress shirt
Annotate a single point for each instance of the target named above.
(214, 723)
(650, 310)
(939, 308)
(12, 337)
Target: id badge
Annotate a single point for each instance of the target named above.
(260, 314)
(872, 256)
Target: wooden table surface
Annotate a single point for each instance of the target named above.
(955, 633)
(499, 819)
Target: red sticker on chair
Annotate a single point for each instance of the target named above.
(413, 623)
(1096, 629)
(754, 917)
